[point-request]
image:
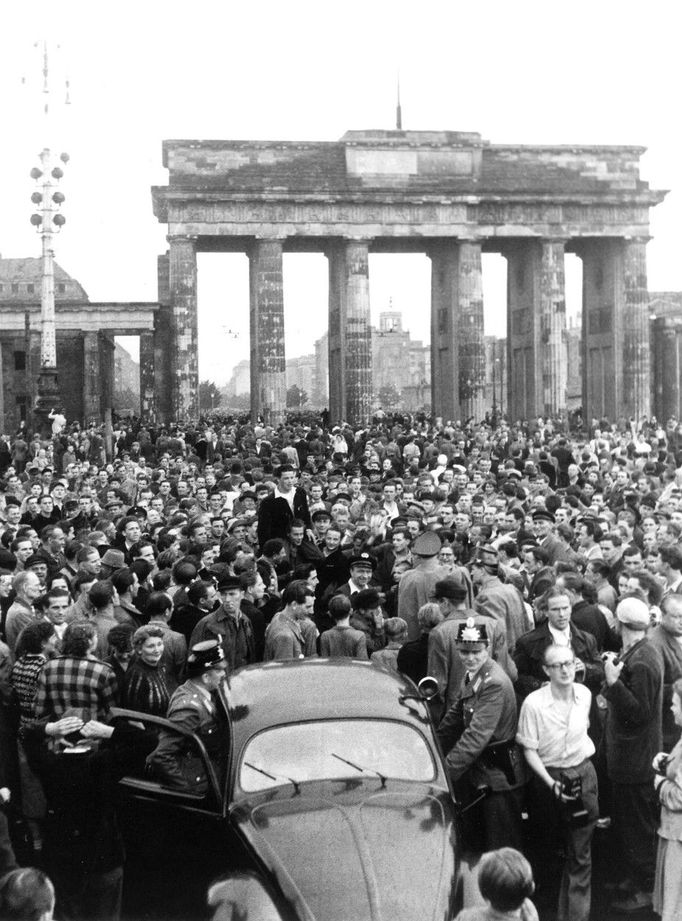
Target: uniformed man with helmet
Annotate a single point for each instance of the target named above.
(477, 735)
(195, 707)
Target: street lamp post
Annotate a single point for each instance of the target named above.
(48, 221)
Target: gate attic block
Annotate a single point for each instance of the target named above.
(451, 195)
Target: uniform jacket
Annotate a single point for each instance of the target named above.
(415, 589)
(504, 603)
(175, 761)
(484, 713)
(445, 664)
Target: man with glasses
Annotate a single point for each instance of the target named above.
(552, 730)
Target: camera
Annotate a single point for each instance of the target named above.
(576, 813)
(662, 765)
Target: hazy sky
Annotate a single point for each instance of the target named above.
(596, 72)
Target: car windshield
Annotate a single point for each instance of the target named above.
(333, 749)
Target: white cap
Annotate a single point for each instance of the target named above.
(633, 613)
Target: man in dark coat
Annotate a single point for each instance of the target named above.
(557, 629)
(667, 639)
(278, 510)
(634, 693)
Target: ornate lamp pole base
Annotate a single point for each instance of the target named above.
(48, 398)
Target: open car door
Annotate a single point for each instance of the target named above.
(176, 834)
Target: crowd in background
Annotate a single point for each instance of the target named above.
(533, 571)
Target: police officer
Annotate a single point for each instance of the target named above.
(194, 707)
(477, 735)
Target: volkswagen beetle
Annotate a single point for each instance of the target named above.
(331, 803)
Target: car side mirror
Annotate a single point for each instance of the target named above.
(242, 895)
(428, 687)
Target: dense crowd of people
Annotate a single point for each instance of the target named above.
(534, 572)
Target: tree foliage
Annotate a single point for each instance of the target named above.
(296, 397)
(210, 396)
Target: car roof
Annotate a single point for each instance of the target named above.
(260, 696)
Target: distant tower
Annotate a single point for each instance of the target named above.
(398, 109)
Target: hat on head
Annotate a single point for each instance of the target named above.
(449, 588)
(427, 544)
(205, 656)
(633, 613)
(469, 634)
(488, 557)
(543, 515)
(320, 513)
(35, 559)
(363, 560)
(228, 582)
(114, 558)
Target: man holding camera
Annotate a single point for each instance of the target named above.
(553, 733)
(633, 692)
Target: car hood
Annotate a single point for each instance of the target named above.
(351, 851)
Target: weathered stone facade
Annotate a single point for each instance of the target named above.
(85, 344)
(453, 196)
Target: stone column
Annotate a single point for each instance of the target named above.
(358, 335)
(336, 255)
(147, 407)
(444, 346)
(667, 369)
(268, 366)
(636, 389)
(552, 307)
(92, 385)
(599, 344)
(470, 331)
(522, 330)
(184, 333)
(163, 372)
(350, 333)
(107, 371)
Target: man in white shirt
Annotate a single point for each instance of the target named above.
(552, 730)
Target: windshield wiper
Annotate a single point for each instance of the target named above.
(362, 770)
(295, 783)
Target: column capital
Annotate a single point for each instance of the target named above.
(182, 238)
(559, 241)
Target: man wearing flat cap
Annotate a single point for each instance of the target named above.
(195, 707)
(477, 735)
(228, 626)
(417, 585)
(543, 528)
(633, 736)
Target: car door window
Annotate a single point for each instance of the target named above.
(179, 764)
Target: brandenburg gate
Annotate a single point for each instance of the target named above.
(452, 196)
